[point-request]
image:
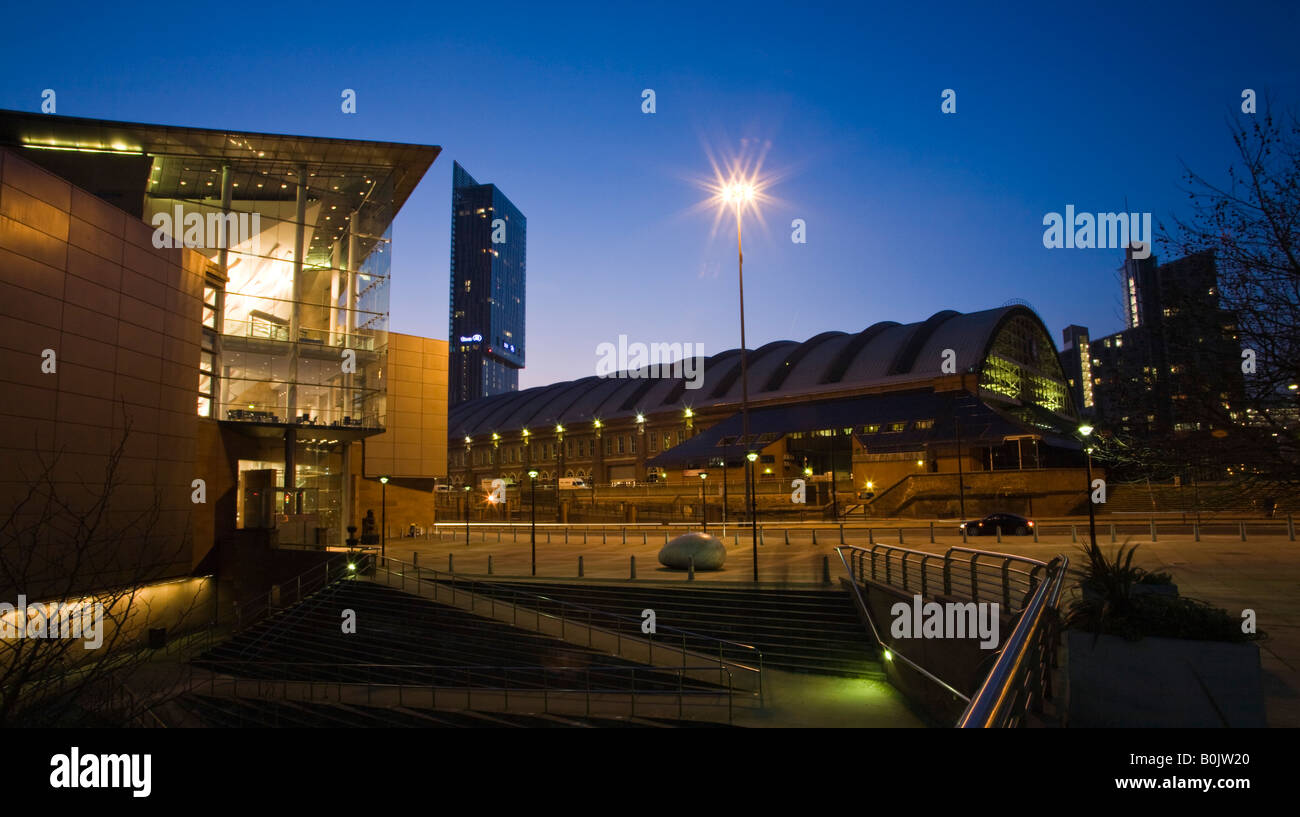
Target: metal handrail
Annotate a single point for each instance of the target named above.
(894, 653)
(995, 703)
(681, 692)
(515, 593)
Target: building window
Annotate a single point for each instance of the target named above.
(620, 443)
(654, 441)
(897, 426)
(668, 440)
(205, 384)
(609, 446)
(929, 423)
(871, 429)
(209, 307)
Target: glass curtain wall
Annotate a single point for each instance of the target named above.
(299, 328)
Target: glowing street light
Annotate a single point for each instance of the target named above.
(741, 189)
(704, 502)
(467, 500)
(532, 525)
(383, 517)
(1085, 431)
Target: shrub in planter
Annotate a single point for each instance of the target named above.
(1141, 655)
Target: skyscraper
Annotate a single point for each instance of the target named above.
(488, 241)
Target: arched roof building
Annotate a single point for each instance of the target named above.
(1008, 351)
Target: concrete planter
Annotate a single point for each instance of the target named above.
(1162, 682)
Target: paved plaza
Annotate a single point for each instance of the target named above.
(1262, 573)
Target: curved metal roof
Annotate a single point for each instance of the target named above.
(885, 353)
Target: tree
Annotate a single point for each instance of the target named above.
(79, 548)
(1248, 227)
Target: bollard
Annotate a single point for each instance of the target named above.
(841, 534)
(1153, 530)
(900, 536)
(548, 536)
(814, 531)
(451, 563)
(625, 536)
(998, 530)
(644, 539)
(1074, 534)
(415, 563)
(932, 534)
(826, 570)
(489, 564)
(584, 536)
(762, 536)
(1243, 531)
(871, 536)
(633, 562)
(579, 567)
(963, 534)
(1196, 532)
(787, 536)
(566, 534)
(1035, 533)
(735, 539)
(690, 570)
(1112, 533)
(514, 533)
(1290, 527)
(665, 537)
(498, 536)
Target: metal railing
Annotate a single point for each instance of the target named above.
(396, 685)
(745, 659)
(977, 575)
(1020, 679)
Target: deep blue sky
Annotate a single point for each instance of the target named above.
(909, 211)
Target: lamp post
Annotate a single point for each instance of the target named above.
(532, 525)
(1086, 431)
(559, 468)
(704, 502)
(383, 517)
(467, 495)
(724, 493)
(753, 506)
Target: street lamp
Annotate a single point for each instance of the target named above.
(1086, 431)
(740, 192)
(704, 502)
(383, 517)
(724, 493)
(532, 525)
(753, 505)
(467, 490)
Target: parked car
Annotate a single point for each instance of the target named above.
(1008, 523)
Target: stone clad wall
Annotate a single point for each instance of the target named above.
(82, 278)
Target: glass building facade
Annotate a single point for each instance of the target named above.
(298, 235)
(488, 252)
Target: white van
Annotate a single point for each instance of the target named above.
(573, 482)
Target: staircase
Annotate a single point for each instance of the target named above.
(796, 630)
